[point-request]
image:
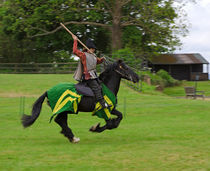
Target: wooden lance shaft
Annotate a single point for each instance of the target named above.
(77, 39)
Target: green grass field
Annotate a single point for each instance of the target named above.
(158, 132)
(179, 90)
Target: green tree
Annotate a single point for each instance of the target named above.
(153, 20)
(145, 26)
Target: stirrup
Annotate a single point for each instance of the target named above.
(106, 105)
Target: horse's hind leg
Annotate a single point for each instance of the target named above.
(61, 119)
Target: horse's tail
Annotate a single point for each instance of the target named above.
(37, 106)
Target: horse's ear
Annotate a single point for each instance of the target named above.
(119, 61)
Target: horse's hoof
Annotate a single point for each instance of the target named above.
(93, 128)
(75, 140)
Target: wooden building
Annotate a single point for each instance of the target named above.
(181, 66)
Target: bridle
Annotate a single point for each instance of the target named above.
(116, 70)
(122, 74)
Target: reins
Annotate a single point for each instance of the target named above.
(122, 74)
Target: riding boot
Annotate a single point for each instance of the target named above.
(97, 90)
(104, 104)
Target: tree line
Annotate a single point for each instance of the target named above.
(30, 30)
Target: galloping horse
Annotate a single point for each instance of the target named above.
(111, 77)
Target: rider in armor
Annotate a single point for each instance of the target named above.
(86, 70)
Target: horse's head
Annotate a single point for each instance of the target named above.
(125, 71)
(122, 70)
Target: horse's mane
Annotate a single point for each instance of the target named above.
(105, 74)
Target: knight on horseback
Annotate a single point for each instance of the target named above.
(86, 70)
(68, 98)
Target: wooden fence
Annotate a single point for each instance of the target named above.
(38, 68)
(53, 68)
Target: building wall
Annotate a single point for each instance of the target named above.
(197, 67)
(180, 72)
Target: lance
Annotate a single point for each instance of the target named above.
(77, 39)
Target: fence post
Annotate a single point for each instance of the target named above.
(22, 105)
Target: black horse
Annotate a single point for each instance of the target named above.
(111, 77)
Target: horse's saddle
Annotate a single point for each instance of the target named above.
(83, 89)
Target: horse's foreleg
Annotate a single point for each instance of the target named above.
(114, 123)
(110, 124)
(61, 119)
(97, 128)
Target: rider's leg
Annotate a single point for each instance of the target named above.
(97, 90)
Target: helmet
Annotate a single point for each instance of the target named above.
(90, 44)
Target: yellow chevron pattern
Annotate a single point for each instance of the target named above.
(99, 107)
(72, 98)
